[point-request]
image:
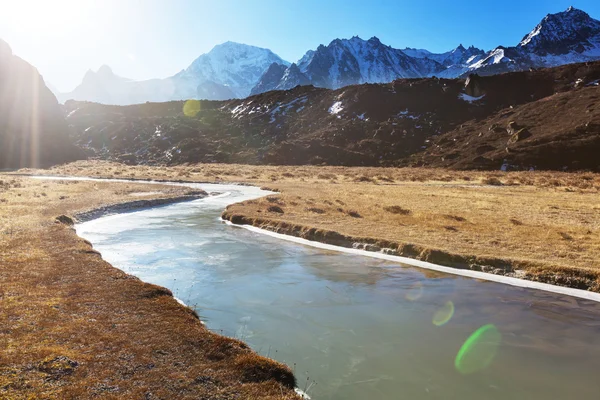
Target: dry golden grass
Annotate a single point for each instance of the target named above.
(265, 174)
(74, 327)
(545, 224)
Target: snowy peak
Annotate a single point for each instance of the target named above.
(234, 65)
(460, 56)
(354, 61)
(563, 32)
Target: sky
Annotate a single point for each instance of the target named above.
(143, 39)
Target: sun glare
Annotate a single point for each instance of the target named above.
(45, 16)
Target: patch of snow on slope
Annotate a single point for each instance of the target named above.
(72, 112)
(287, 106)
(470, 99)
(407, 114)
(239, 109)
(336, 108)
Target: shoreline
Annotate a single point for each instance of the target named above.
(131, 206)
(490, 269)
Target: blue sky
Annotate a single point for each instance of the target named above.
(144, 39)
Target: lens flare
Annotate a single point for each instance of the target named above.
(191, 108)
(479, 350)
(414, 292)
(444, 314)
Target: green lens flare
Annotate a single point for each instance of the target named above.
(415, 292)
(444, 314)
(479, 350)
(191, 108)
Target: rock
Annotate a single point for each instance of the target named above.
(64, 219)
(473, 86)
(512, 127)
(521, 134)
(275, 209)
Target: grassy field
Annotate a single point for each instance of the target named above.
(74, 327)
(535, 225)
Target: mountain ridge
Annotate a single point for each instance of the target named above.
(561, 38)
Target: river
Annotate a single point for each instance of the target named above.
(355, 327)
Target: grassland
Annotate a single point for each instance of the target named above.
(74, 327)
(534, 225)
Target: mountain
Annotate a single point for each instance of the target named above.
(229, 70)
(278, 77)
(270, 79)
(102, 86)
(566, 37)
(352, 61)
(33, 130)
(456, 61)
(233, 70)
(562, 38)
(457, 56)
(235, 66)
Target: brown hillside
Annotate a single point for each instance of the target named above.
(361, 125)
(557, 132)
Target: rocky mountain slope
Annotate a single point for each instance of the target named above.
(558, 132)
(406, 122)
(33, 131)
(228, 71)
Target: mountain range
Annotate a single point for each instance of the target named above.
(229, 70)
(233, 70)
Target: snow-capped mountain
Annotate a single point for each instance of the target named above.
(236, 70)
(457, 56)
(234, 66)
(353, 61)
(229, 70)
(456, 62)
(562, 38)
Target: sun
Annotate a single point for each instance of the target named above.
(45, 16)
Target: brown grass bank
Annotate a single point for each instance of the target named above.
(535, 225)
(74, 327)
